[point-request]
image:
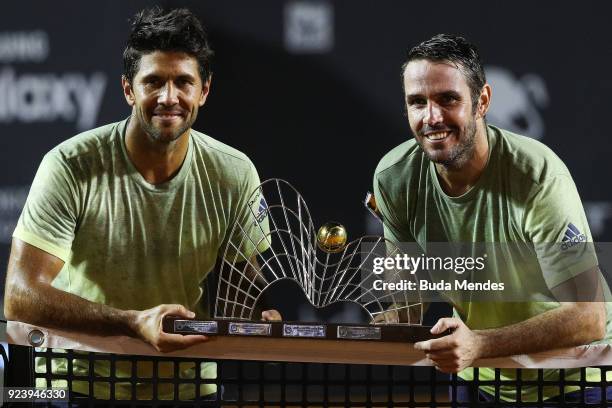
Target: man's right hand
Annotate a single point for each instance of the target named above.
(148, 326)
(31, 298)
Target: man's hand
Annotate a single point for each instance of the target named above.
(149, 328)
(271, 315)
(454, 352)
(388, 317)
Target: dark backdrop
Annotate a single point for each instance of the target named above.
(321, 113)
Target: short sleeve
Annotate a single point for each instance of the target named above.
(556, 224)
(392, 212)
(49, 217)
(249, 233)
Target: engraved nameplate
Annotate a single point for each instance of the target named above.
(195, 326)
(250, 329)
(359, 333)
(303, 330)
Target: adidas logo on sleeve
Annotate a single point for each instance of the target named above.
(572, 237)
(262, 211)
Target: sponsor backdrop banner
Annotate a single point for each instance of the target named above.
(311, 90)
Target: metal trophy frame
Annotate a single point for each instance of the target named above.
(278, 241)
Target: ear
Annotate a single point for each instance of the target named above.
(128, 92)
(484, 100)
(205, 90)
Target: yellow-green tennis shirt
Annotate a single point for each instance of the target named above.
(132, 245)
(525, 195)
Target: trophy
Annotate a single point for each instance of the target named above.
(279, 243)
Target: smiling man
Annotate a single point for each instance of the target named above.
(461, 180)
(123, 222)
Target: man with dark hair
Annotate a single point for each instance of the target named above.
(123, 222)
(463, 181)
(152, 29)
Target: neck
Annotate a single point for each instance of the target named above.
(456, 181)
(156, 161)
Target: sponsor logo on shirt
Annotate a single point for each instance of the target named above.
(572, 237)
(262, 210)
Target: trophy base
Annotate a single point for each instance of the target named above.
(282, 329)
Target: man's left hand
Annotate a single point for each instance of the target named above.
(454, 352)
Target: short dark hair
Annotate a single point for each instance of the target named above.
(457, 50)
(154, 29)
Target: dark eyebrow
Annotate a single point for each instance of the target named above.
(186, 77)
(149, 77)
(412, 97)
(452, 94)
(444, 94)
(153, 77)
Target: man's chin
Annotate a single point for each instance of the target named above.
(166, 135)
(169, 137)
(436, 155)
(439, 159)
(452, 160)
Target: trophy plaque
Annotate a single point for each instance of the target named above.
(320, 331)
(279, 243)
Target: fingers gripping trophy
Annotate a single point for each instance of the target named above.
(279, 245)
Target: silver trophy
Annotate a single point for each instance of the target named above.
(279, 242)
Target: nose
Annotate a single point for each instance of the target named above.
(168, 95)
(433, 114)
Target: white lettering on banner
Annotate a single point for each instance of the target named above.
(598, 213)
(30, 98)
(24, 46)
(12, 200)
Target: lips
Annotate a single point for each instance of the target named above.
(437, 136)
(167, 115)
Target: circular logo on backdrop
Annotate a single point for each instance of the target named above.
(517, 101)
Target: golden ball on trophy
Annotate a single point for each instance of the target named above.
(331, 237)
